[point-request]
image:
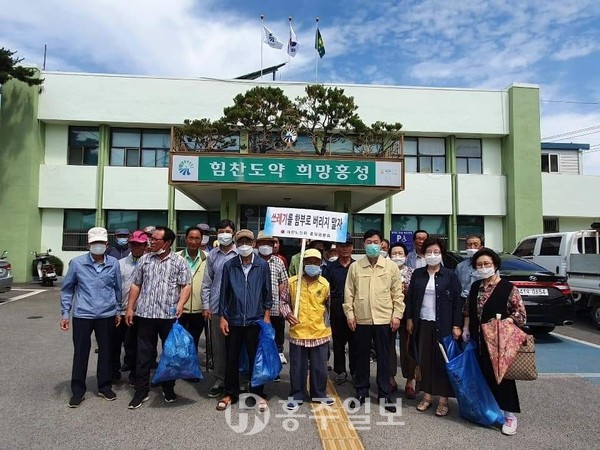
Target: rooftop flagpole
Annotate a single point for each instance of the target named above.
(317, 52)
(289, 43)
(262, 29)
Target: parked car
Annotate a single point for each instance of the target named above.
(6, 278)
(574, 255)
(547, 296)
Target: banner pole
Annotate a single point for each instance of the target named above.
(299, 281)
(262, 29)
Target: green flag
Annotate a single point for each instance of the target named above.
(319, 44)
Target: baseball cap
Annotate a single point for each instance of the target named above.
(262, 236)
(312, 253)
(139, 236)
(203, 227)
(121, 231)
(348, 239)
(97, 234)
(244, 234)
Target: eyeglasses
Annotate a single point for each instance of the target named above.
(155, 239)
(483, 264)
(436, 253)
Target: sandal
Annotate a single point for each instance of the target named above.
(424, 404)
(262, 405)
(224, 403)
(409, 392)
(442, 409)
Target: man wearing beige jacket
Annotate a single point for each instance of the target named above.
(373, 304)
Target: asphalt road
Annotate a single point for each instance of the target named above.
(35, 364)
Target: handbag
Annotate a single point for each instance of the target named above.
(523, 367)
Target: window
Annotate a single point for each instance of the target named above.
(76, 224)
(425, 155)
(363, 223)
(468, 156)
(83, 146)
(466, 226)
(133, 147)
(589, 245)
(550, 163)
(135, 220)
(525, 248)
(186, 219)
(551, 225)
(550, 246)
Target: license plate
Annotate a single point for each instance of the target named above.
(533, 291)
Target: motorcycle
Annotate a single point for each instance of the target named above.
(45, 268)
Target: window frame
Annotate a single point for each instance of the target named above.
(82, 150)
(549, 157)
(419, 158)
(469, 159)
(125, 159)
(75, 239)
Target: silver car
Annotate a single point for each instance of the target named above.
(6, 278)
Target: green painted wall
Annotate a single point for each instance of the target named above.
(21, 153)
(521, 166)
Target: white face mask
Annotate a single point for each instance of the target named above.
(265, 250)
(333, 258)
(383, 254)
(244, 250)
(486, 272)
(225, 239)
(399, 260)
(433, 260)
(97, 249)
(205, 239)
(471, 252)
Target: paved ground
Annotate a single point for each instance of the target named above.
(559, 410)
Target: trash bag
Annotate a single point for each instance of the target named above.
(476, 403)
(179, 357)
(267, 364)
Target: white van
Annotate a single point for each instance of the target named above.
(572, 254)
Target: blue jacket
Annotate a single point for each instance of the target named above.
(91, 291)
(244, 300)
(448, 303)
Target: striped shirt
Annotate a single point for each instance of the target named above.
(278, 277)
(211, 283)
(160, 283)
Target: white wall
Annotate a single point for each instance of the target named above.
(136, 188)
(117, 99)
(57, 143)
(491, 155)
(481, 195)
(67, 186)
(570, 195)
(493, 233)
(437, 189)
(576, 223)
(52, 229)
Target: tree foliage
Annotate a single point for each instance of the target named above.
(324, 113)
(381, 139)
(204, 134)
(10, 68)
(260, 112)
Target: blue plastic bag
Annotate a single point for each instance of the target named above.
(476, 403)
(267, 364)
(179, 357)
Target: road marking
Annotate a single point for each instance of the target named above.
(335, 429)
(29, 293)
(569, 375)
(562, 336)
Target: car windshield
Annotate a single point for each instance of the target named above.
(520, 265)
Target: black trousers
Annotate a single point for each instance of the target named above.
(233, 343)
(342, 335)
(194, 324)
(148, 331)
(118, 338)
(278, 323)
(82, 342)
(380, 334)
(303, 359)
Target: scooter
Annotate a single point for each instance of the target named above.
(45, 268)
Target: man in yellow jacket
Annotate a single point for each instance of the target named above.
(310, 333)
(192, 319)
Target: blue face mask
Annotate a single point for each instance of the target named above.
(312, 271)
(122, 241)
(372, 250)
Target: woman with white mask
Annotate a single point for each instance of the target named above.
(492, 295)
(433, 311)
(398, 254)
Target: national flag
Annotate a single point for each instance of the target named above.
(319, 44)
(292, 43)
(271, 40)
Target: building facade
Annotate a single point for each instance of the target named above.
(93, 150)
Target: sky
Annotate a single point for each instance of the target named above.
(466, 44)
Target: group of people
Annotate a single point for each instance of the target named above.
(367, 305)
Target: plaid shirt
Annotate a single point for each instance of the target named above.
(278, 277)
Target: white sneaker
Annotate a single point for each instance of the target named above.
(510, 426)
(282, 358)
